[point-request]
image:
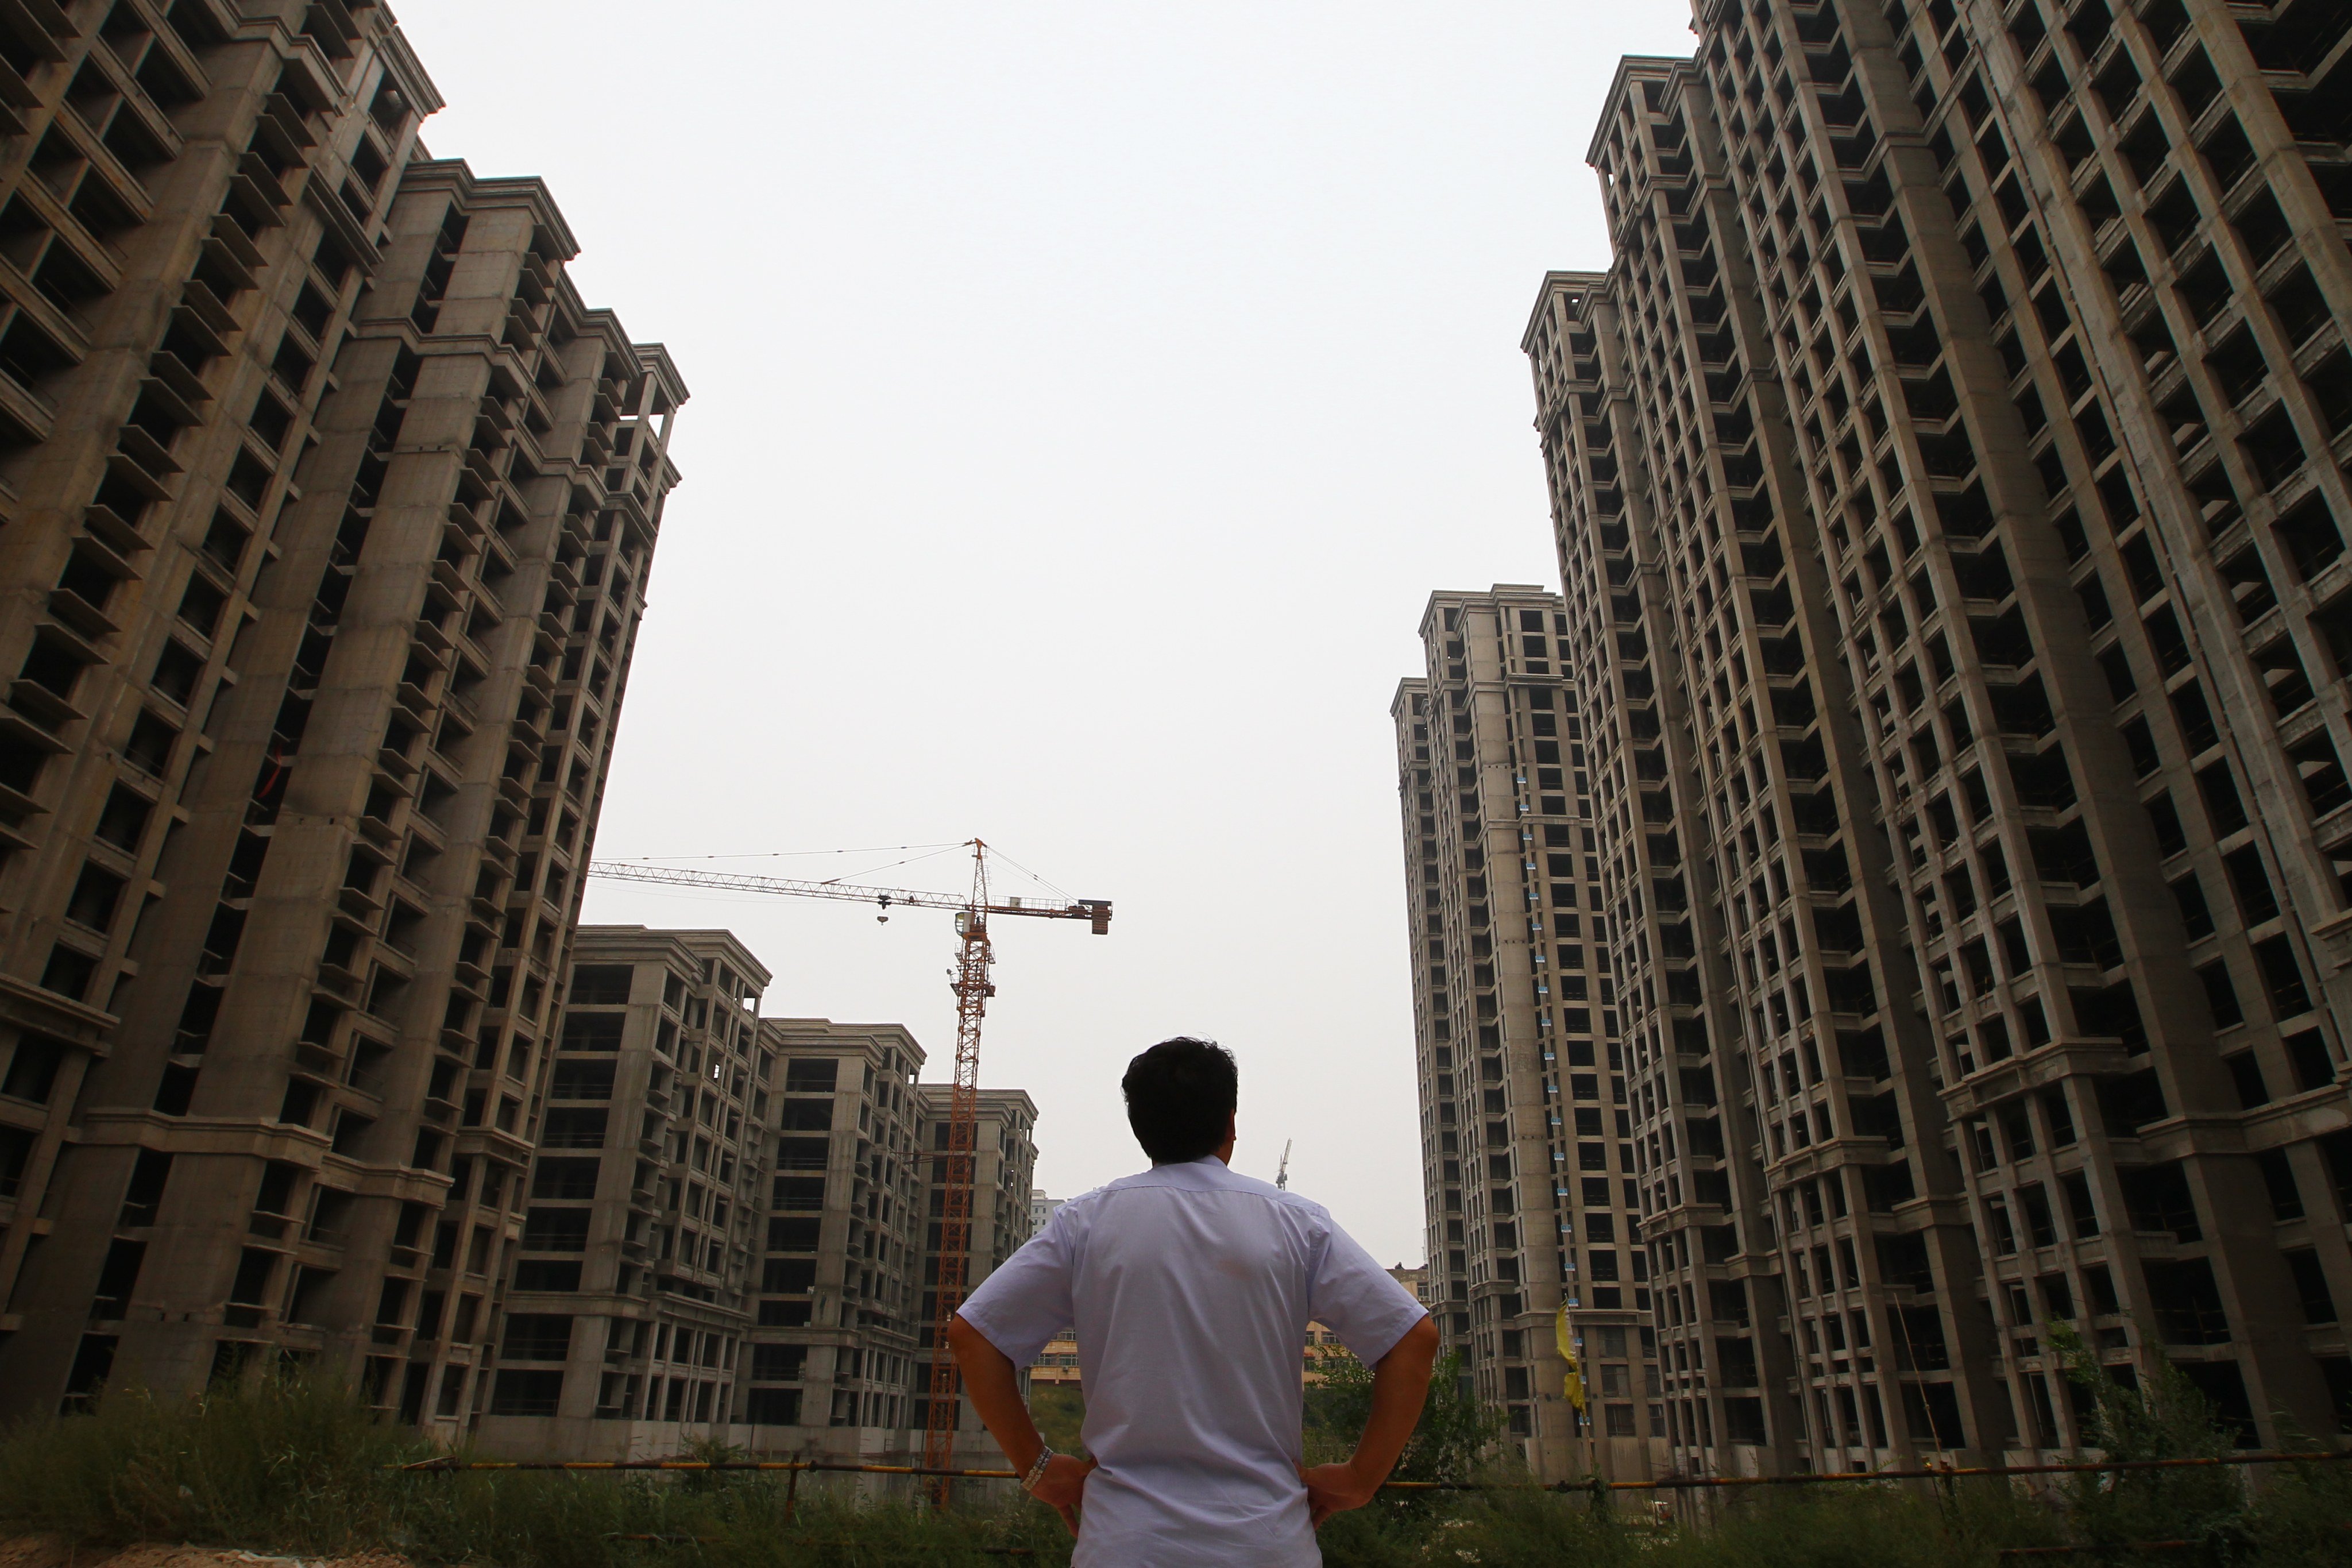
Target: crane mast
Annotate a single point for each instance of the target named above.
(973, 990)
(969, 982)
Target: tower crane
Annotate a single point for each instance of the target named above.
(1282, 1176)
(972, 988)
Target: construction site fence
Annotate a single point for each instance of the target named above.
(1593, 1486)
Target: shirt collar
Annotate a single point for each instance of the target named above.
(1207, 1170)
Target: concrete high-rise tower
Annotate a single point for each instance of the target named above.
(328, 511)
(1528, 1163)
(1948, 477)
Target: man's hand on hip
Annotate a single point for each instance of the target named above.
(994, 1387)
(1063, 1487)
(1399, 1383)
(1336, 1489)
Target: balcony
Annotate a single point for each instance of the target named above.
(44, 709)
(412, 700)
(433, 639)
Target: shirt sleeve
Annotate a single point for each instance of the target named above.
(1355, 1298)
(1027, 1300)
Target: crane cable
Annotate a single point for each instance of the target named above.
(931, 852)
(791, 854)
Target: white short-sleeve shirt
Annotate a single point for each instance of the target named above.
(1191, 1289)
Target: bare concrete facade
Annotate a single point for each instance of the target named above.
(331, 513)
(627, 1302)
(1004, 1159)
(726, 1236)
(834, 1352)
(1525, 1138)
(1948, 488)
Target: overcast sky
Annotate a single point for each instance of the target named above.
(1087, 400)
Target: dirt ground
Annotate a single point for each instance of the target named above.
(48, 1551)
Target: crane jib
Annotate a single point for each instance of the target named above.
(1095, 910)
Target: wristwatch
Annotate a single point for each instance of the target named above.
(1037, 1471)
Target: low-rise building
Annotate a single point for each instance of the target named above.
(1415, 1279)
(1321, 1345)
(1056, 1365)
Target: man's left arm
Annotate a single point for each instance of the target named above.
(994, 1385)
(1399, 1386)
(1379, 1321)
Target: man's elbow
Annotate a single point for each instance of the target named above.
(968, 1344)
(1418, 1348)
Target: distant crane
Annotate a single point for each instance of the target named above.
(973, 989)
(1282, 1173)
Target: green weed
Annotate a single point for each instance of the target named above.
(297, 1465)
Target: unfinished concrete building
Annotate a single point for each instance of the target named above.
(330, 511)
(725, 1235)
(628, 1298)
(1003, 1163)
(833, 1359)
(1526, 1159)
(1948, 481)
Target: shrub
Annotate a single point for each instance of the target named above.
(2161, 1416)
(1456, 1439)
(292, 1462)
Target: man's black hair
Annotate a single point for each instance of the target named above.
(1180, 1095)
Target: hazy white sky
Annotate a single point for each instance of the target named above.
(1086, 399)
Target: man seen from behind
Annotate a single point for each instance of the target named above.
(1190, 1287)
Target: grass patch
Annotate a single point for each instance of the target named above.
(295, 1465)
(298, 1467)
(2296, 1520)
(1060, 1412)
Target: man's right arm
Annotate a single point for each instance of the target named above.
(1019, 1306)
(1400, 1385)
(993, 1384)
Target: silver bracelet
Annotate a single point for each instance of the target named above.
(1037, 1471)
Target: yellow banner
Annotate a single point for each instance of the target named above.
(1573, 1387)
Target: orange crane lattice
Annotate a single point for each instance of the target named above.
(973, 989)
